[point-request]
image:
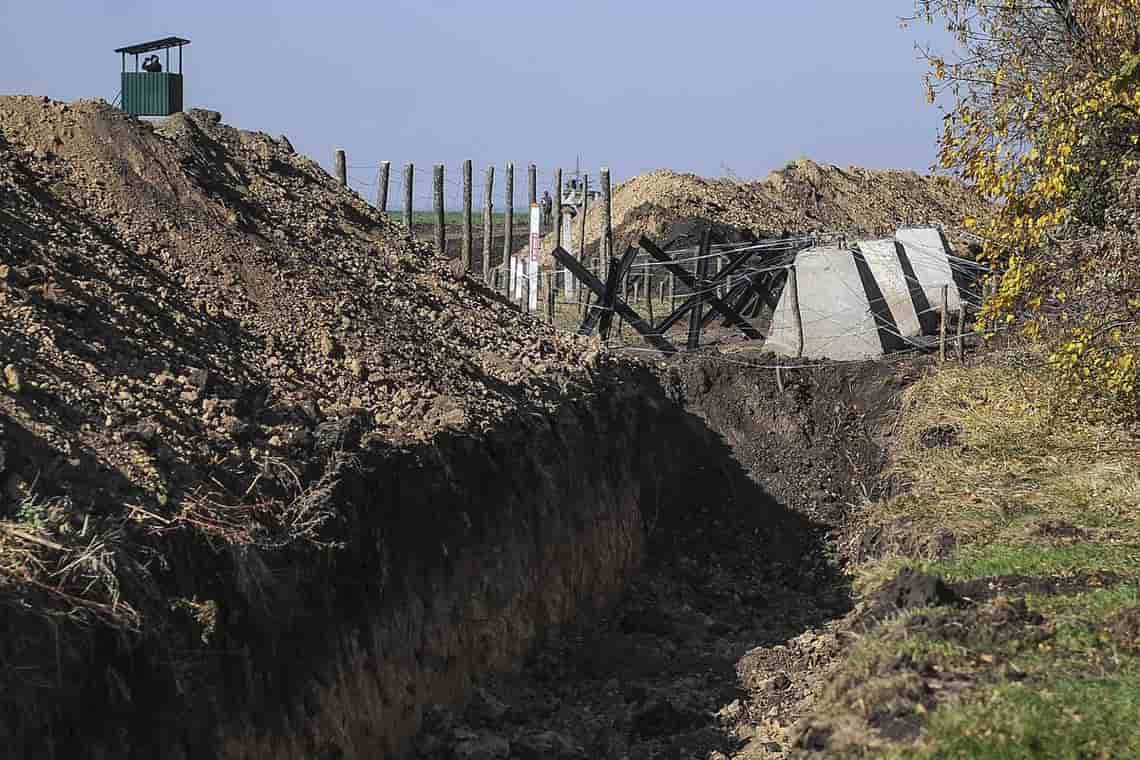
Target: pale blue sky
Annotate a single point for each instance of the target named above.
(635, 85)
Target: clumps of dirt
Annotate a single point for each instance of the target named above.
(1125, 629)
(909, 589)
(1061, 531)
(903, 537)
(940, 437)
(802, 197)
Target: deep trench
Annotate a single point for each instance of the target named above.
(742, 563)
(607, 581)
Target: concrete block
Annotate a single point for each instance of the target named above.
(837, 318)
(883, 260)
(925, 253)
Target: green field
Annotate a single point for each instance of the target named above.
(455, 218)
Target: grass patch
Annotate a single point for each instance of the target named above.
(997, 558)
(1021, 460)
(1069, 719)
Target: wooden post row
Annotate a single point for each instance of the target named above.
(382, 186)
(437, 192)
(488, 223)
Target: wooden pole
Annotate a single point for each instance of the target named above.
(382, 182)
(702, 281)
(607, 228)
(341, 167)
(557, 208)
(409, 178)
(649, 295)
(962, 332)
(944, 315)
(794, 302)
(437, 191)
(488, 222)
(525, 292)
(509, 224)
(550, 292)
(531, 185)
(583, 293)
(467, 242)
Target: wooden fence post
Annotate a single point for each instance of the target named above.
(702, 283)
(437, 190)
(409, 178)
(509, 224)
(962, 332)
(525, 291)
(557, 220)
(488, 222)
(944, 315)
(550, 293)
(465, 251)
(382, 182)
(607, 227)
(531, 185)
(583, 293)
(649, 293)
(341, 167)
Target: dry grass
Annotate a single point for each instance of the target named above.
(49, 568)
(1018, 457)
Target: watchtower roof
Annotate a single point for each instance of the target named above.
(146, 47)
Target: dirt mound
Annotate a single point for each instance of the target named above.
(197, 320)
(802, 197)
(195, 291)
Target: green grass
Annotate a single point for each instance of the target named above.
(1081, 719)
(1004, 559)
(455, 218)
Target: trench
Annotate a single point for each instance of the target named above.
(586, 584)
(698, 657)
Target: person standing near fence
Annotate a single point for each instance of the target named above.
(547, 208)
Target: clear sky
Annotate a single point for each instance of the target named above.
(712, 87)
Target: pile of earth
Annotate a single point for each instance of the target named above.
(190, 310)
(803, 197)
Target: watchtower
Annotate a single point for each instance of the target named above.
(154, 90)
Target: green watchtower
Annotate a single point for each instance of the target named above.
(152, 91)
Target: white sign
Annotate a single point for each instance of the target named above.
(535, 243)
(569, 281)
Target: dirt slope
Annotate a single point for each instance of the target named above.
(205, 291)
(802, 197)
